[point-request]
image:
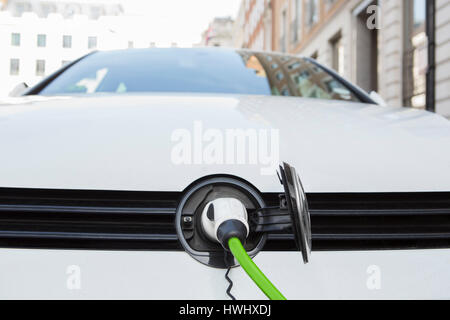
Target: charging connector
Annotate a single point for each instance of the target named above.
(214, 211)
(225, 218)
(225, 221)
(258, 277)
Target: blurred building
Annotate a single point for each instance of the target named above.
(38, 37)
(238, 28)
(92, 9)
(219, 33)
(399, 48)
(253, 27)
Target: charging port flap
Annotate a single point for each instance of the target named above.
(298, 208)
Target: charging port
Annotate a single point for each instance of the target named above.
(192, 233)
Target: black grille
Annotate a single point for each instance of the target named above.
(375, 221)
(127, 220)
(88, 219)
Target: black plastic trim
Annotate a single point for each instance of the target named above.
(36, 89)
(358, 92)
(373, 221)
(88, 219)
(138, 220)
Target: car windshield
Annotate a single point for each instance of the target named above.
(198, 71)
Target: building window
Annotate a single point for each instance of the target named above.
(130, 44)
(96, 12)
(279, 75)
(64, 62)
(415, 60)
(14, 67)
(365, 42)
(47, 8)
(71, 9)
(21, 7)
(67, 41)
(40, 67)
(283, 21)
(337, 52)
(299, 17)
(312, 13)
(296, 24)
(92, 42)
(41, 40)
(15, 39)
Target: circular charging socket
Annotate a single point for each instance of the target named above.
(189, 215)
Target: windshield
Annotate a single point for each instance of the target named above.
(198, 71)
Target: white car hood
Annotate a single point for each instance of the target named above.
(124, 142)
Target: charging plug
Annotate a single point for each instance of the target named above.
(223, 219)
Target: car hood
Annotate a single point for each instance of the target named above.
(133, 142)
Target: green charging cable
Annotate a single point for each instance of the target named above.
(253, 271)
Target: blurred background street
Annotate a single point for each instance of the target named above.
(398, 48)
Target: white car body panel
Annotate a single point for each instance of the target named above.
(124, 143)
(44, 274)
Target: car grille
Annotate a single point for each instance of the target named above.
(375, 221)
(128, 220)
(88, 219)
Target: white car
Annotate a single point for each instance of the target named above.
(108, 168)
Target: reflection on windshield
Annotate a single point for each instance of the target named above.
(292, 76)
(90, 85)
(200, 71)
